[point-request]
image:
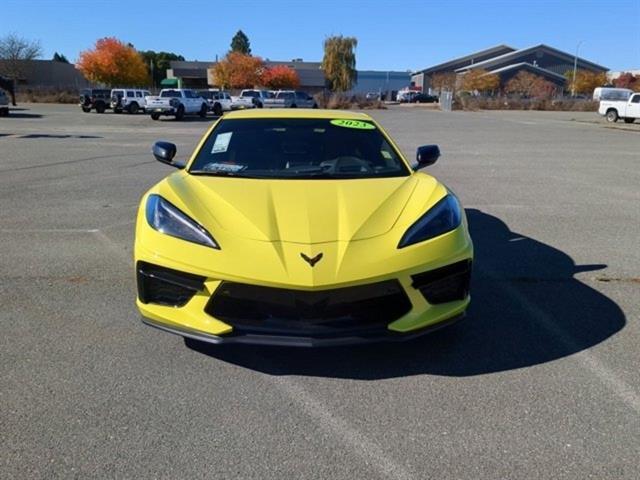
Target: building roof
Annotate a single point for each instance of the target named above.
(509, 57)
(468, 59)
(528, 66)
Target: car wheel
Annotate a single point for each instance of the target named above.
(315, 105)
(203, 111)
(155, 116)
(180, 113)
(100, 107)
(259, 104)
(133, 108)
(612, 116)
(117, 110)
(293, 105)
(629, 120)
(86, 109)
(217, 110)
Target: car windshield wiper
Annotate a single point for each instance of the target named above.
(221, 173)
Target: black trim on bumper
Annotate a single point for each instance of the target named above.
(382, 335)
(166, 286)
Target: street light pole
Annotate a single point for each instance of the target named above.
(575, 68)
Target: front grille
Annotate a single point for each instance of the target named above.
(166, 286)
(279, 311)
(446, 284)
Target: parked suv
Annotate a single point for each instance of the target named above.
(128, 99)
(98, 98)
(218, 101)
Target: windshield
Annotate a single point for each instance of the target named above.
(298, 148)
(170, 94)
(250, 93)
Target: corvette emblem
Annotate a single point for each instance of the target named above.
(311, 261)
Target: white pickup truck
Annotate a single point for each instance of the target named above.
(627, 110)
(176, 102)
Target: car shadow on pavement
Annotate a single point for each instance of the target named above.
(527, 308)
(20, 113)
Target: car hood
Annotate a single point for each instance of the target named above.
(298, 211)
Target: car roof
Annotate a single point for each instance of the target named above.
(296, 113)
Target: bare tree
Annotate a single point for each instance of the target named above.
(14, 50)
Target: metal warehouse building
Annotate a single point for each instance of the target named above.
(507, 61)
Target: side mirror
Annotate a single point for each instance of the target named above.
(427, 155)
(164, 153)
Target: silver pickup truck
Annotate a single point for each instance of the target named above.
(294, 99)
(176, 102)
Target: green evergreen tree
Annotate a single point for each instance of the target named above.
(240, 43)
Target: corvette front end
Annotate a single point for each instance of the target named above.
(301, 261)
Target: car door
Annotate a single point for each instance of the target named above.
(633, 107)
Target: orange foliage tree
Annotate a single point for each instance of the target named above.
(279, 77)
(586, 81)
(480, 80)
(238, 70)
(530, 86)
(113, 63)
(444, 81)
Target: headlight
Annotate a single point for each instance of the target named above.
(166, 218)
(443, 217)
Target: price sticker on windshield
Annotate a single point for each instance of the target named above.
(353, 124)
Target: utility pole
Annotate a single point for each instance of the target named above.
(575, 68)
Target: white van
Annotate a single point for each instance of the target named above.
(610, 93)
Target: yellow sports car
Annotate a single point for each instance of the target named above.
(304, 228)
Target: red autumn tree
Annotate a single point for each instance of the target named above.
(112, 62)
(628, 80)
(238, 70)
(280, 77)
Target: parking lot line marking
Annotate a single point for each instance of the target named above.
(359, 444)
(49, 230)
(588, 359)
(366, 449)
(113, 247)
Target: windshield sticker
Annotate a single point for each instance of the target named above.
(353, 124)
(223, 167)
(386, 154)
(222, 142)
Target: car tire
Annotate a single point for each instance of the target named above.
(180, 113)
(629, 120)
(315, 105)
(259, 105)
(293, 105)
(100, 107)
(612, 116)
(117, 110)
(86, 109)
(133, 108)
(217, 110)
(203, 111)
(155, 116)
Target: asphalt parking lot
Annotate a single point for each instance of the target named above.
(540, 381)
